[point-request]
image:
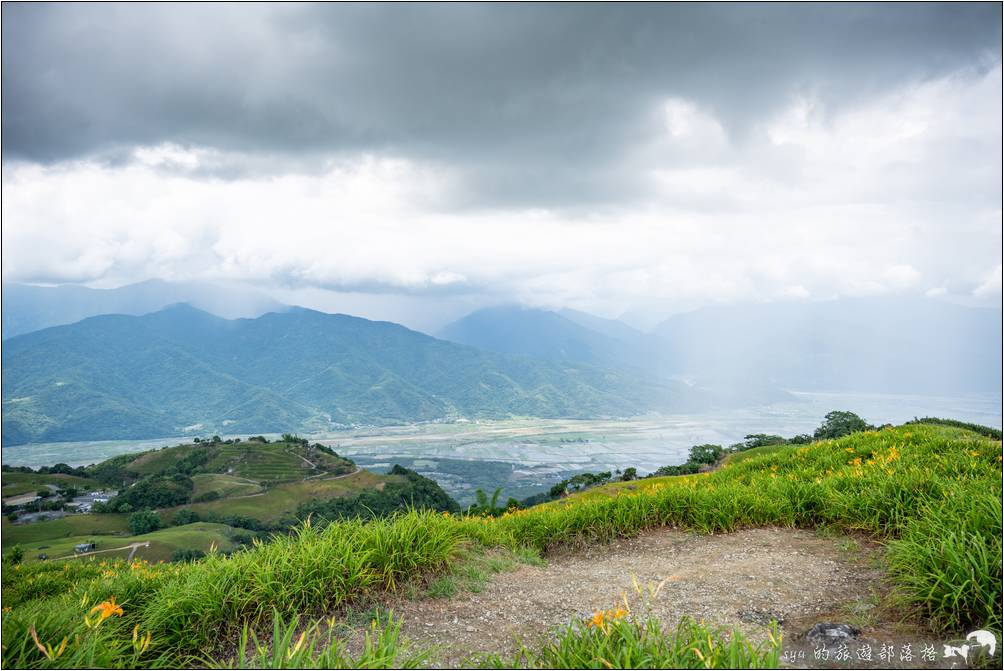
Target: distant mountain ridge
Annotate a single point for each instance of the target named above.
(28, 308)
(751, 352)
(181, 370)
(574, 336)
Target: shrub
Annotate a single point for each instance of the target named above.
(144, 522)
(208, 496)
(185, 516)
(187, 555)
(15, 555)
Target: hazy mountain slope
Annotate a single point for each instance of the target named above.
(128, 377)
(612, 328)
(543, 334)
(29, 308)
(900, 345)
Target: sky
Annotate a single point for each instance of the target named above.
(413, 162)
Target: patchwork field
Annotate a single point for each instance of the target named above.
(276, 502)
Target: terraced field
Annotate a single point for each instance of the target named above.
(270, 463)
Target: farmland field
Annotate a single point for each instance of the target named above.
(198, 536)
(281, 500)
(24, 483)
(69, 526)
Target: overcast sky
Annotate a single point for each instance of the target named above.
(411, 162)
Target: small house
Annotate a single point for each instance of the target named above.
(84, 547)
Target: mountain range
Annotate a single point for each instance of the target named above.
(181, 370)
(878, 345)
(28, 307)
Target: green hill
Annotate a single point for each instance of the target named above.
(183, 371)
(247, 486)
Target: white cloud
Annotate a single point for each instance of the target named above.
(897, 195)
(991, 286)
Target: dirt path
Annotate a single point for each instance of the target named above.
(742, 580)
(132, 547)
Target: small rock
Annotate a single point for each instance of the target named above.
(827, 632)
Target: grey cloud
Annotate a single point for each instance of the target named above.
(530, 104)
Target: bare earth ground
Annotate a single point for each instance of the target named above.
(743, 579)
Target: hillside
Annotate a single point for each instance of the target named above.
(241, 487)
(183, 371)
(929, 492)
(744, 354)
(546, 335)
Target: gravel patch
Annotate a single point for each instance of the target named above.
(744, 579)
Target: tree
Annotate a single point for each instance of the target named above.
(629, 474)
(706, 454)
(762, 440)
(185, 516)
(840, 423)
(144, 522)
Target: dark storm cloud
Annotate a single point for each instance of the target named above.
(530, 103)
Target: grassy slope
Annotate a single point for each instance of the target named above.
(226, 485)
(71, 525)
(282, 500)
(932, 492)
(199, 536)
(22, 483)
(255, 461)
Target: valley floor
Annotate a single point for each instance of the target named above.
(742, 580)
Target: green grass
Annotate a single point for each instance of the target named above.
(71, 525)
(282, 500)
(226, 485)
(626, 644)
(198, 536)
(22, 483)
(271, 462)
(155, 461)
(315, 648)
(932, 493)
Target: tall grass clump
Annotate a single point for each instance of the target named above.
(947, 565)
(620, 643)
(314, 648)
(312, 570)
